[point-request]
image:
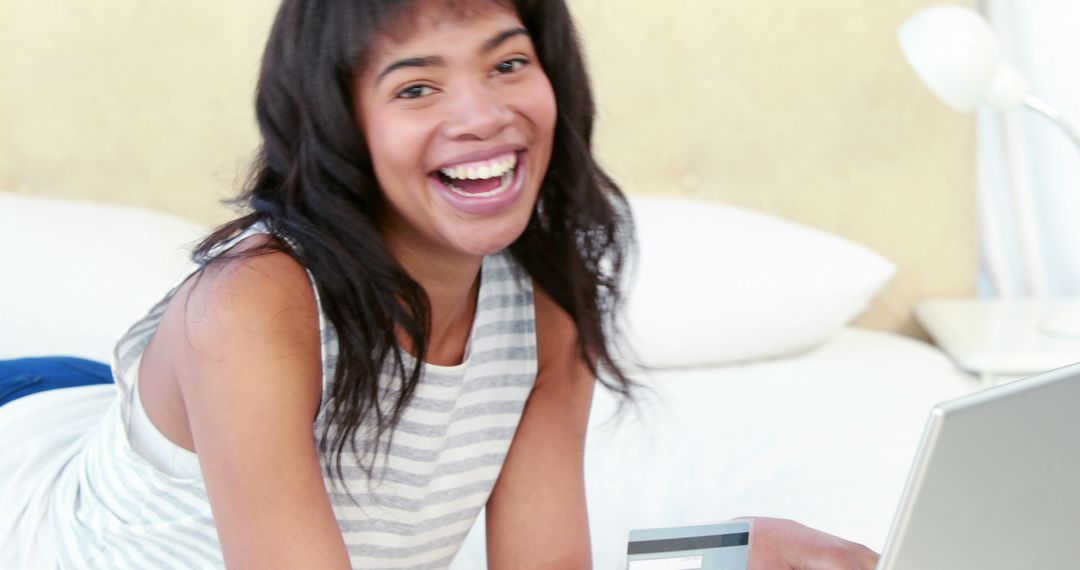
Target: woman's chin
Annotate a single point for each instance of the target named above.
(482, 243)
(485, 235)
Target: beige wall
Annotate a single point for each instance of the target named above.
(132, 101)
(9, 164)
(804, 109)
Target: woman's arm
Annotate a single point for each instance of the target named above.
(536, 516)
(246, 354)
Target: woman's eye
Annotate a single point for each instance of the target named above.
(510, 65)
(415, 92)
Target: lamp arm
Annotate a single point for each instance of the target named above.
(1064, 322)
(1041, 107)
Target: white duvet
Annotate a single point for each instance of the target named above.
(825, 438)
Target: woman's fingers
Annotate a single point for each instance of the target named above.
(868, 559)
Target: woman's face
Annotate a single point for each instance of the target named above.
(458, 116)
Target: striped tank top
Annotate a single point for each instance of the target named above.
(109, 508)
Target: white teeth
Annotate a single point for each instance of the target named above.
(504, 184)
(482, 170)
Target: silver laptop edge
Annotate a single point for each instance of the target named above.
(991, 404)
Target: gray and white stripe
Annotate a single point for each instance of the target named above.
(112, 509)
(450, 445)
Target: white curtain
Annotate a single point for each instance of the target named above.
(1022, 152)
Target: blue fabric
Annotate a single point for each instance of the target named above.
(25, 376)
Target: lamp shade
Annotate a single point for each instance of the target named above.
(956, 53)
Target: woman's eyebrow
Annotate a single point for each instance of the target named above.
(426, 61)
(501, 37)
(434, 60)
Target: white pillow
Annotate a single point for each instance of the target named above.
(78, 274)
(715, 284)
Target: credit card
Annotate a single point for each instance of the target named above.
(722, 546)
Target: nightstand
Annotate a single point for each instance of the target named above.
(999, 339)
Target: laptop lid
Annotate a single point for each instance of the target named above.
(996, 482)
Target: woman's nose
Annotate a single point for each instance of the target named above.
(478, 114)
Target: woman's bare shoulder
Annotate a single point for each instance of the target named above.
(239, 313)
(253, 297)
(253, 276)
(219, 328)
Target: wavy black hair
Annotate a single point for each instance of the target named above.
(314, 187)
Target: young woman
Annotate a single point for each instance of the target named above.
(403, 329)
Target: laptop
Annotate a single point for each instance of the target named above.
(996, 482)
(995, 486)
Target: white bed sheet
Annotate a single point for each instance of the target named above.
(825, 438)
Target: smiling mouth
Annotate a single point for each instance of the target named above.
(480, 179)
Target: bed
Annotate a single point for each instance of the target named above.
(756, 395)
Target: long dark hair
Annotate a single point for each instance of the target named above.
(314, 187)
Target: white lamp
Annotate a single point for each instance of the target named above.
(956, 53)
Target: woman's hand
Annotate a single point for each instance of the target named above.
(778, 544)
